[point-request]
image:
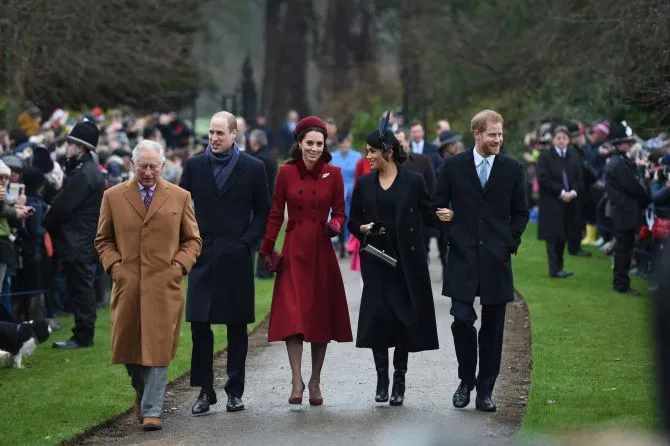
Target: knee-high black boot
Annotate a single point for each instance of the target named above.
(382, 365)
(400, 357)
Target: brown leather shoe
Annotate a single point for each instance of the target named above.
(151, 424)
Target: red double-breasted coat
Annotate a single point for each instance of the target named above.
(308, 298)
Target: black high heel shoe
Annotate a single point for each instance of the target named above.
(382, 393)
(398, 390)
(296, 401)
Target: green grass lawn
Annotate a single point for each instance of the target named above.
(62, 393)
(591, 347)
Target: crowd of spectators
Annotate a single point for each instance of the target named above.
(623, 203)
(34, 166)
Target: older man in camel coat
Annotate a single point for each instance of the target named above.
(147, 239)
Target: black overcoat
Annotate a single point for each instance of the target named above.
(626, 193)
(231, 222)
(559, 220)
(486, 229)
(413, 212)
(72, 219)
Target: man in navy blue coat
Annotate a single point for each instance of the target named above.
(481, 195)
(231, 200)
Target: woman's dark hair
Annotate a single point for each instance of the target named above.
(296, 154)
(387, 143)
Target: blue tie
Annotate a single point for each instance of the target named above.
(483, 172)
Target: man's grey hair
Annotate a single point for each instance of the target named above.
(259, 136)
(148, 144)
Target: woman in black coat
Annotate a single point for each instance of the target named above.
(389, 209)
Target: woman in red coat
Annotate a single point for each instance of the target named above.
(308, 303)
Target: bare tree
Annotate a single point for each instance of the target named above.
(79, 53)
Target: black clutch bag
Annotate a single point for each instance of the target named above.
(376, 252)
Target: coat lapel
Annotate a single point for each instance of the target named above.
(159, 199)
(132, 194)
(494, 173)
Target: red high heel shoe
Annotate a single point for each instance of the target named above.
(297, 400)
(315, 401)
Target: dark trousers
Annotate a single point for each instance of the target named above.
(202, 358)
(400, 358)
(555, 250)
(79, 280)
(575, 243)
(623, 253)
(490, 344)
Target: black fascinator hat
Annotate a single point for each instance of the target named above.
(383, 139)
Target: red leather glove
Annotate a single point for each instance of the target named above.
(272, 261)
(333, 228)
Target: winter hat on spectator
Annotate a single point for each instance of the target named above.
(601, 127)
(42, 159)
(85, 133)
(449, 137)
(620, 132)
(33, 178)
(13, 162)
(4, 169)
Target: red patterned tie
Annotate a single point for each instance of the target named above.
(148, 195)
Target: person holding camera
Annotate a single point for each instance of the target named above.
(308, 302)
(389, 212)
(12, 213)
(628, 197)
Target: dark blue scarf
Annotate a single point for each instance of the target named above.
(223, 165)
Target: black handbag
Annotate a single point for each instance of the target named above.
(378, 253)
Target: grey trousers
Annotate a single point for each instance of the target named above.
(149, 383)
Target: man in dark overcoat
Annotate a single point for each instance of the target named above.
(231, 199)
(628, 197)
(72, 221)
(481, 195)
(559, 173)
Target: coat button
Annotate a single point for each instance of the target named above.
(481, 243)
(300, 191)
(411, 248)
(411, 210)
(411, 229)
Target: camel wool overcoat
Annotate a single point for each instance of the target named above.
(153, 247)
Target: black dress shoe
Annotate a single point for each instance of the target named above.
(581, 253)
(234, 404)
(629, 291)
(205, 399)
(462, 395)
(382, 393)
(70, 344)
(485, 403)
(398, 389)
(562, 275)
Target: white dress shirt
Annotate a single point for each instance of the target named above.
(417, 147)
